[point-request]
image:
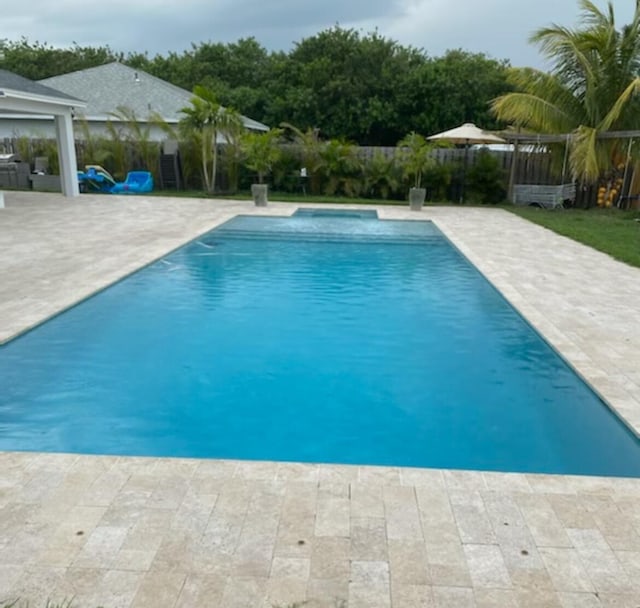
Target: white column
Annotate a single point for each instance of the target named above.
(67, 155)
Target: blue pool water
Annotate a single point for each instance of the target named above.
(318, 339)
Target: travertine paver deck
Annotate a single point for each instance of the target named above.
(122, 532)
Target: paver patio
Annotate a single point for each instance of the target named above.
(136, 532)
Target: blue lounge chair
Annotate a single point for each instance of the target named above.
(137, 182)
(95, 179)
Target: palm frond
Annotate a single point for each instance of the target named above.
(615, 113)
(592, 16)
(531, 112)
(565, 51)
(588, 155)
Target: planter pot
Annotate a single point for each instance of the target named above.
(46, 183)
(259, 193)
(416, 198)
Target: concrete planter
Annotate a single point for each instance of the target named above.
(259, 193)
(416, 198)
(46, 183)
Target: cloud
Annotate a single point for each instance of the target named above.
(499, 28)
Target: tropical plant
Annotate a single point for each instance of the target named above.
(138, 133)
(485, 181)
(437, 179)
(285, 174)
(46, 148)
(94, 149)
(232, 154)
(208, 121)
(341, 168)
(116, 149)
(381, 176)
(416, 156)
(190, 149)
(310, 147)
(261, 151)
(592, 88)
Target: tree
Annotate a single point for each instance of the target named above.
(262, 151)
(343, 83)
(447, 91)
(207, 120)
(416, 157)
(364, 88)
(39, 60)
(592, 88)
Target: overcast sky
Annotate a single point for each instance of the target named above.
(499, 28)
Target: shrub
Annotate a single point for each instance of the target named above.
(485, 180)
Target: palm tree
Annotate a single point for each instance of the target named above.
(207, 120)
(310, 147)
(381, 175)
(341, 168)
(232, 151)
(416, 156)
(139, 134)
(116, 150)
(592, 88)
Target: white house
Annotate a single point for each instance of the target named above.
(104, 89)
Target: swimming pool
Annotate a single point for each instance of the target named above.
(317, 339)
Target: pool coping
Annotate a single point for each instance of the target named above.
(183, 532)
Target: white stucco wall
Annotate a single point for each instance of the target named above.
(44, 127)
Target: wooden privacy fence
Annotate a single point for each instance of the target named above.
(533, 167)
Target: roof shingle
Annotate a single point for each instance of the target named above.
(109, 86)
(15, 82)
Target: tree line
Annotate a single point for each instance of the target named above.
(364, 88)
(342, 86)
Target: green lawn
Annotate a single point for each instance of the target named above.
(608, 230)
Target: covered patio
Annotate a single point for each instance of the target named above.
(23, 96)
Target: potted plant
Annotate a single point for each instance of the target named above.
(416, 157)
(261, 151)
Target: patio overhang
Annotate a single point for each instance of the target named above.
(62, 109)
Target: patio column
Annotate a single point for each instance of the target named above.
(67, 155)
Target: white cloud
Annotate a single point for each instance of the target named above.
(499, 28)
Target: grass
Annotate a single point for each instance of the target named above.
(608, 230)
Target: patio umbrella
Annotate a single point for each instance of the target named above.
(466, 135)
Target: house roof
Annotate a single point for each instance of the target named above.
(29, 89)
(109, 86)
